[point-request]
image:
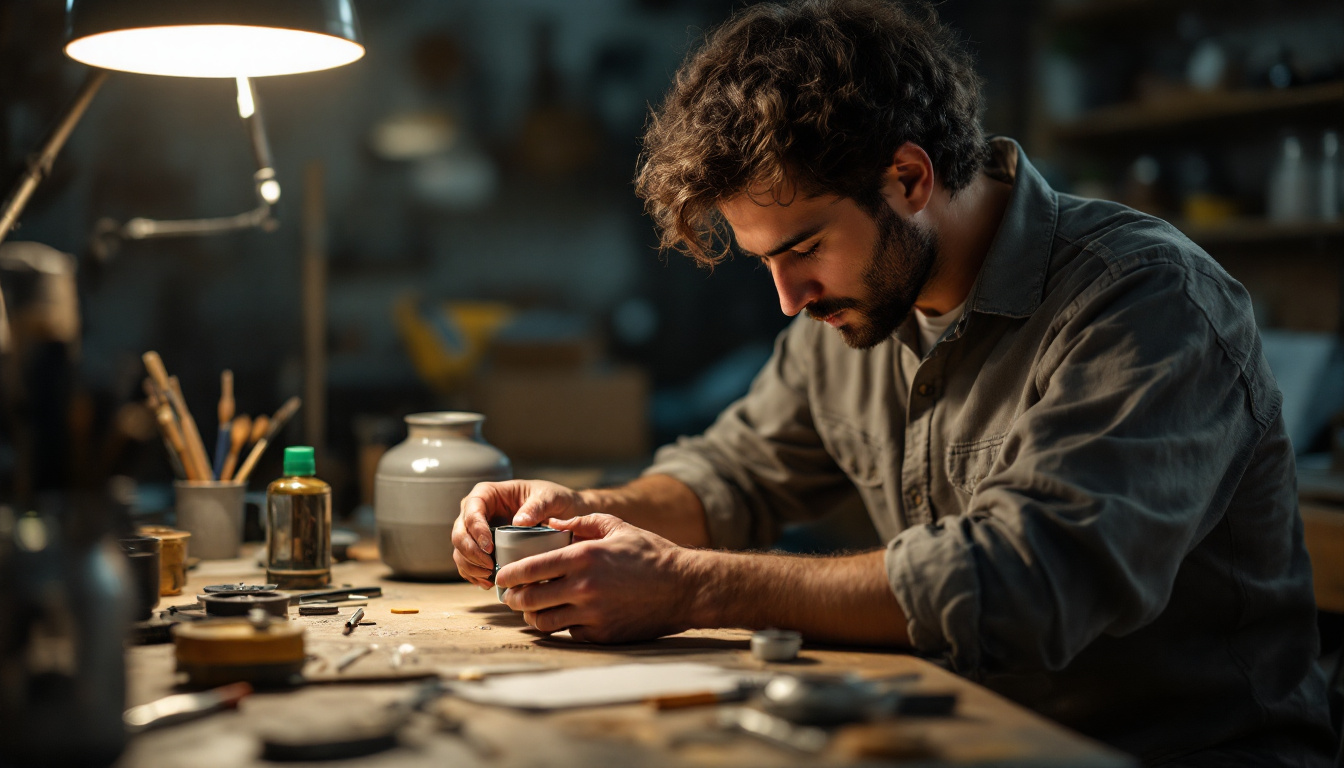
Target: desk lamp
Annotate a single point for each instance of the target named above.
(239, 39)
(55, 590)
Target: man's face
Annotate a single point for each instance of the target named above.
(857, 272)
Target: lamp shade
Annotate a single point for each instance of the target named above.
(213, 38)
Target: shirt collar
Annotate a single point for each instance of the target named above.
(1012, 278)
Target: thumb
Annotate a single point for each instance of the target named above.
(587, 527)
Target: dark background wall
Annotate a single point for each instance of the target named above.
(531, 204)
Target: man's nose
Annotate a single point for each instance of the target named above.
(795, 286)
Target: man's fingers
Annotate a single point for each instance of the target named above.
(531, 598)
(471, 571)
(588, 527)
(479, 530)
(552, 619)
(531, 513)
(547, 565)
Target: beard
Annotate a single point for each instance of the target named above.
(901, 265)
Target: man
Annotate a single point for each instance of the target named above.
(1055, 411)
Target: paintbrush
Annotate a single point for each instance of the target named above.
(190, 434)
(172, 437)
(260, 427)
(225, 412)
(240, 429)
(277, 423)
(194, 455)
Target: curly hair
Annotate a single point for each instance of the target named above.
(820, 93)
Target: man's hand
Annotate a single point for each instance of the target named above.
(515, 502)
(616, 583)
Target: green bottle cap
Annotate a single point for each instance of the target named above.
(299, 461)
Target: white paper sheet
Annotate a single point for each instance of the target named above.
(594, 686)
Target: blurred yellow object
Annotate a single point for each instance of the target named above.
(447, 342)
(1206, 210)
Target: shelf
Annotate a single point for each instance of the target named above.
(1197, 109)
(1254, 231)
(1112, 13)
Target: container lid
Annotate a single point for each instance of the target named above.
(444, 418)
(299, 461)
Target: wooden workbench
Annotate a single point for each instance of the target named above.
(460, 625)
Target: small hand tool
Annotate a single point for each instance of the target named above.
(353, 621)
(352, 657)
(775, 730)
(335, 595)
(182, 707)
(225, 413)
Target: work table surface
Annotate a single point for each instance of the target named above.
(458, 625)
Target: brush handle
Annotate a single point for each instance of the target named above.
(252, 459)
(242, 427)
(190, 434)
(222, 442)
(193, 455)
(173, 437)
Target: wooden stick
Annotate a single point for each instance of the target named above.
(242, 427)
(190, 434)
(191, 438)
(277, 423)
(172, 438)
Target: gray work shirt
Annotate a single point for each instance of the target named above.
(1086, 489)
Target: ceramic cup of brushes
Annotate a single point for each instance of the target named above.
(515, 542)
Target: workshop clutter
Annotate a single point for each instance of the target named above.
(539, 376)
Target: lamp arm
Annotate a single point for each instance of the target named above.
(39, 164)
(261, 217)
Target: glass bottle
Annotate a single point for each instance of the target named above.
(298, 530)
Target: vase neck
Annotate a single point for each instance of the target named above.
(467, 431)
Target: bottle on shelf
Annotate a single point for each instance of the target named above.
(1329, 179)
(1290, 188)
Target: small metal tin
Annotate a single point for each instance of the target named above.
(776, 644)
(239, 604)
(515, 542)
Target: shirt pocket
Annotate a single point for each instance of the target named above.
(857, 453)
(969, 462)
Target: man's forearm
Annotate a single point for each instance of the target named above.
(658, 503)
(829, 599)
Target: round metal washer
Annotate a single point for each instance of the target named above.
(240, 603)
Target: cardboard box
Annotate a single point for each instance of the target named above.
(566, 416)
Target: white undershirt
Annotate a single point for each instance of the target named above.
(931, 329)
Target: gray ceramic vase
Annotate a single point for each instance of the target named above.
(420, 485)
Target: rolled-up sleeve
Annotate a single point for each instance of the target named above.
(761, 464)
(1142, 426)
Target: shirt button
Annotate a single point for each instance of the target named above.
(924, 390)
(915, 498)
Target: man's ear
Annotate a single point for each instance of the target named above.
(907, 184)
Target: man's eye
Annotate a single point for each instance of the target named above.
(809, 253)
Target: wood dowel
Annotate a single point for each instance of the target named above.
(190, 434)
(161, 402)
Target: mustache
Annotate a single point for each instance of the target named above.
(824, 308)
